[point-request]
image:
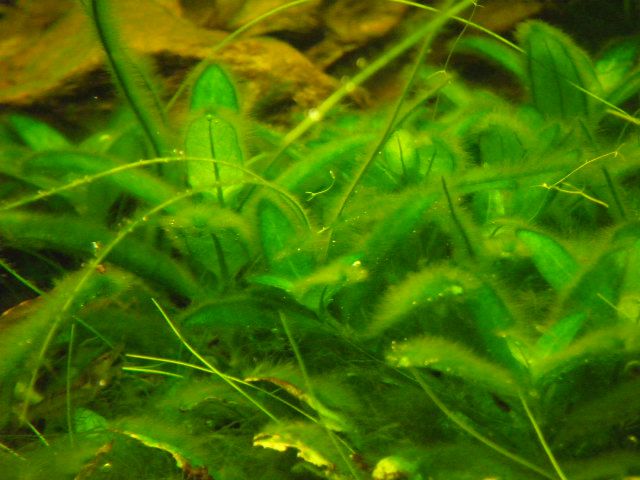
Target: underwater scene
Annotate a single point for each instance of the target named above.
(319, 239)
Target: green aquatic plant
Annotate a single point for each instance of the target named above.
(445, 288)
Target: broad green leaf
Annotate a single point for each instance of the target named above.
(500, 145)
(453, 359)
(400, 156)
(493, 321)
(553, 261)
(217, 239)
(557, 70)
(599, 289)
(214, 89)
(560, 335)
(212, 136)
(281, 241)
(213, 133)
(38, 135)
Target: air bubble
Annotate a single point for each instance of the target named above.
(314, 115)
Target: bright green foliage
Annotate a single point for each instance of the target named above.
(552, 260)
(558, 72)
(37, 135)
(214, 90)
(441, 289)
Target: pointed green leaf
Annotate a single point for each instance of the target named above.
(496, 51)
(37, 135)
(493, 321)
(560, 335)
(600, 288)
(557, 70)
(454, 359)
(553, 261)
(214, 89)
(78, 237)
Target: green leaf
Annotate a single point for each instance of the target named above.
(493, 321)
(416, 291)
(560, 335)
(557, 70)
(76, 236)
(37, 135)
(453, 359)
(68, 166)
(493, 50)
(629, 87)
(400, 155)
(600, 288)
(213, 90)
(500, 145)
(407, 214)
(281, 241)
(214, 137)
(88, 421)
(616, 62)
(553, 261)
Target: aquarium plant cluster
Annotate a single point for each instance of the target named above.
(444, 287)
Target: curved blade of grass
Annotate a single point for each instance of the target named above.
(474, 433)
(81, 278)
(211, 368)
(542, 440)
(79, 237)
(133, 81)
(249, 177)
